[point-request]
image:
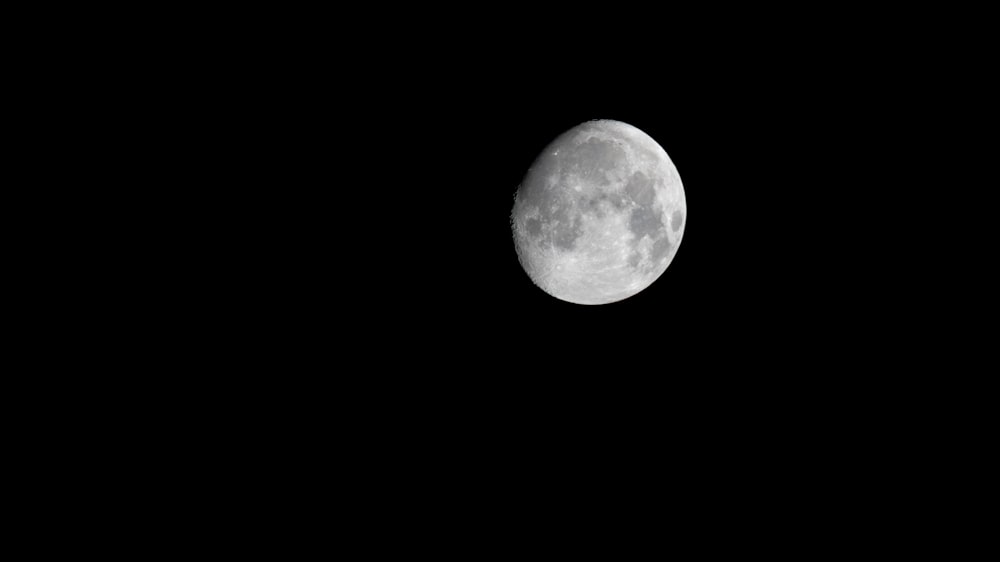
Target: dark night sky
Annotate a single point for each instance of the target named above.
(386, 172)
(304, 222)
(339, 209)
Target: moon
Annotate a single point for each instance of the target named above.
(600, 214)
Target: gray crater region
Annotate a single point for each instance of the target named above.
(599, 215)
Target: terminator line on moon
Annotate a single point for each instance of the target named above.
(600, 214)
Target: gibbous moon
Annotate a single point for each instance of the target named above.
(599, 215)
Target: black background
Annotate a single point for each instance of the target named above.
(365, 184)
(323, 272)
(352, 194)
(417, 149)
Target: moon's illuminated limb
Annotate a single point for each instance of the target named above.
(600, 214)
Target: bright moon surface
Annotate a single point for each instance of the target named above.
(600, 214)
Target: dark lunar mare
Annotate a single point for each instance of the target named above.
(534, 227)
(567, 232)
(646, 219)
(640, 190)
(660, 248)
(676, 220)
(593, 204)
